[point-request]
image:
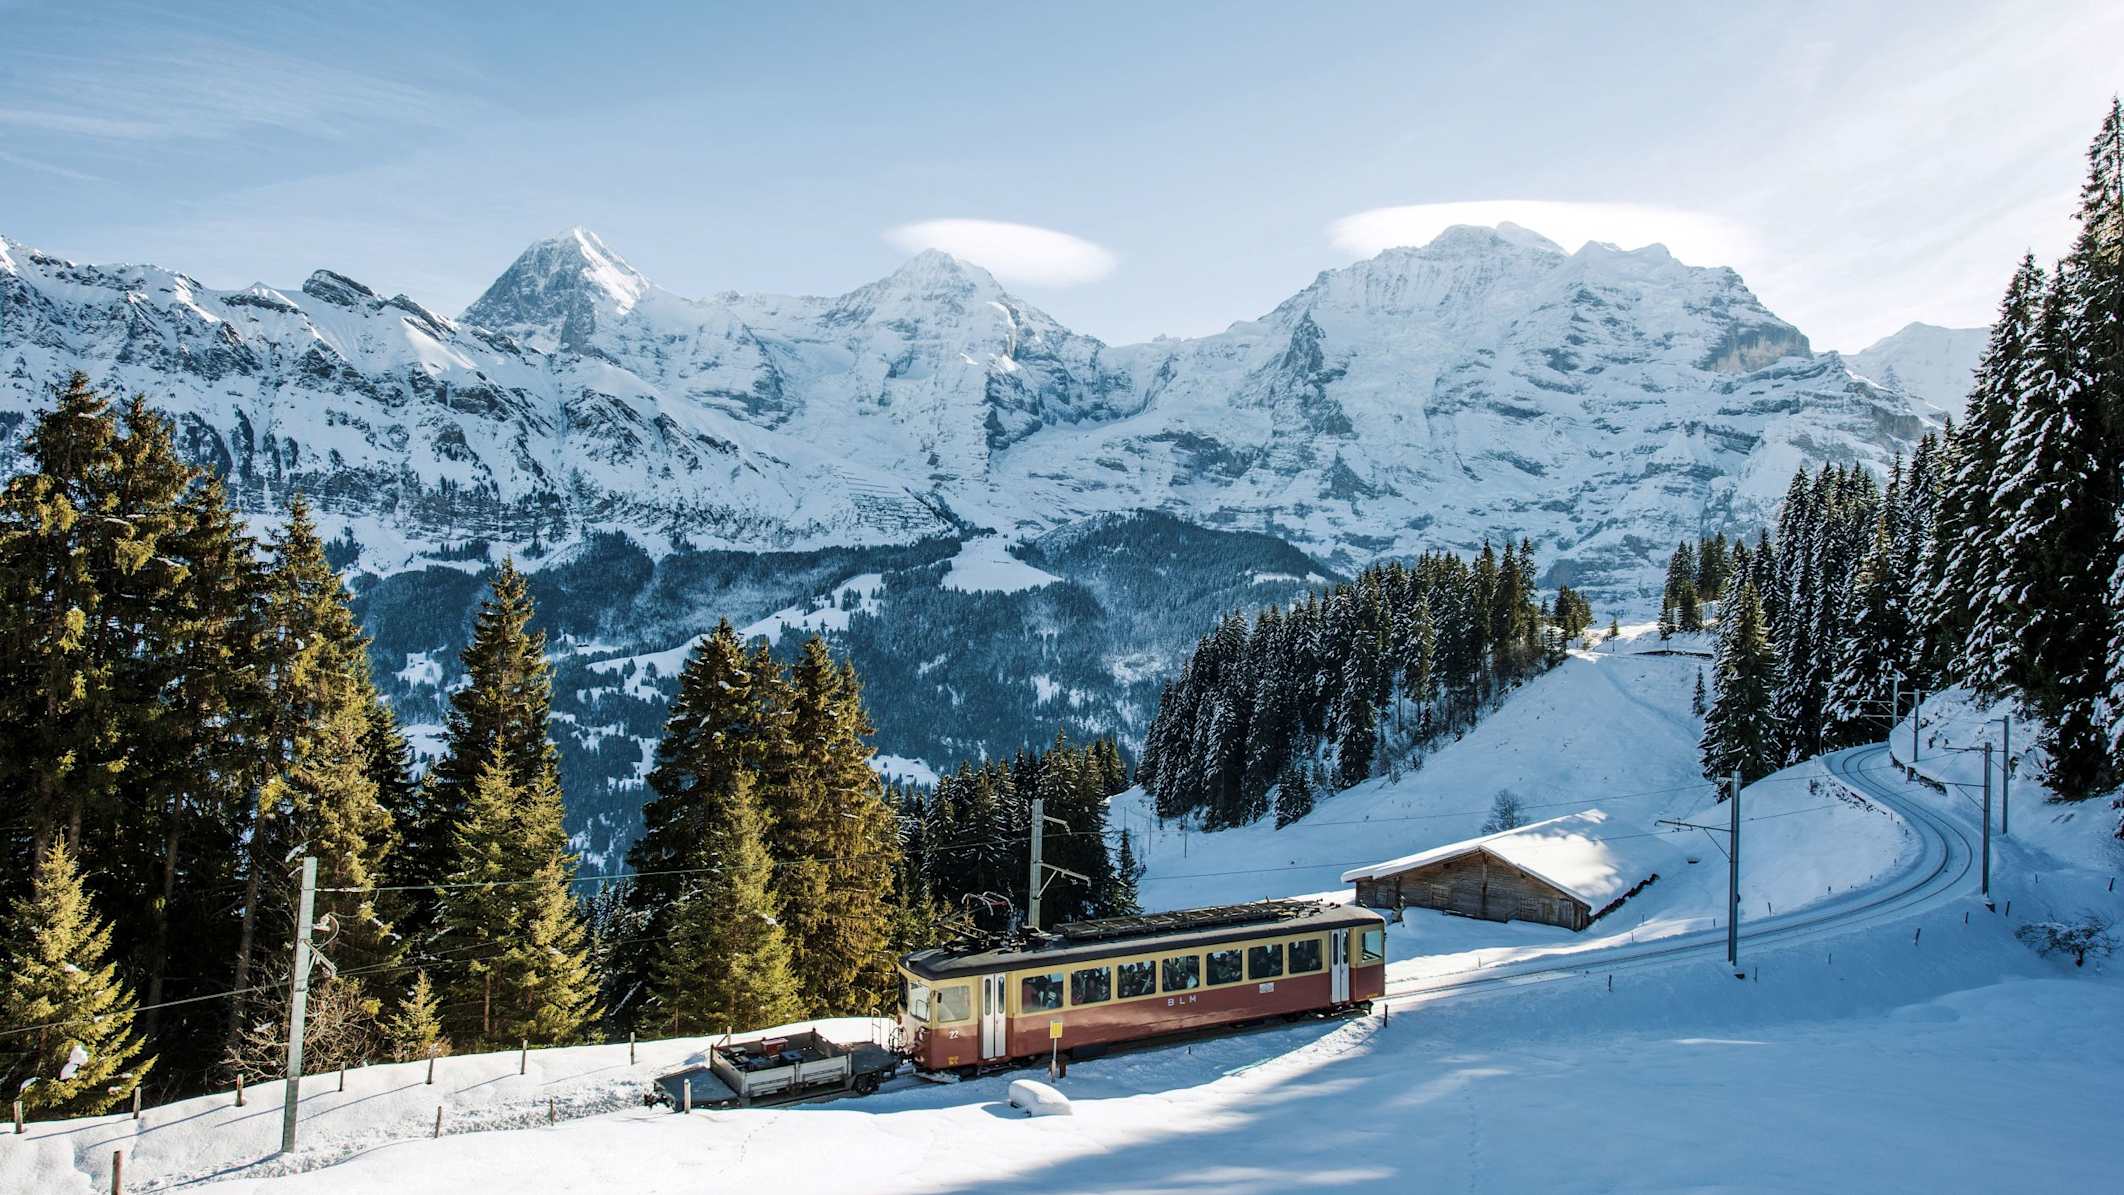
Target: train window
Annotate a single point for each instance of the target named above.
(1373, 947)
(1041, 991)
(1093, 985)
(1138, 978)
(954, 1003)
(1305, 956)
(1224, 966)
(1264, 962)
(1183, 972)
(918, 1001)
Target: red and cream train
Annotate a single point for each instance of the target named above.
(1090, 984)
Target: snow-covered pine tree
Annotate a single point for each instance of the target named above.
(80, 1056)
(1125, 901)
(1874, 643)
(1355, 727)
(1739, 731)
(1965, 566)
(1697, 701)
(1294, 794)
(2034, 626)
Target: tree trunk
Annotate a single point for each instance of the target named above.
(159, 943)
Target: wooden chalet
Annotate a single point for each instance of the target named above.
(1556, 872)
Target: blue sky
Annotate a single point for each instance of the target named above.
(1861, 165)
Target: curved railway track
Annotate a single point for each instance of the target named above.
(1940, 870)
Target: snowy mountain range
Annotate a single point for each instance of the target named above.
(862, 464)
(1603, 403)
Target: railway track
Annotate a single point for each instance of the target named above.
(1940, 871)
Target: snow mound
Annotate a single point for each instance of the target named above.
(1038, 1099)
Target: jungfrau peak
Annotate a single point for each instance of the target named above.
(1604, 403)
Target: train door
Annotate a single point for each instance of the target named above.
(995, 1021)
(1339, 966)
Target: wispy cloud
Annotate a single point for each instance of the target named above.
(1695, 237)
(79, 176)
(1012, 252)
(205, 88)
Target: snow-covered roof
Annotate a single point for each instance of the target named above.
(1568, 853)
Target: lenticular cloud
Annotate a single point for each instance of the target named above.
(1012, 252)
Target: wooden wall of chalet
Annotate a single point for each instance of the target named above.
(1477, 884)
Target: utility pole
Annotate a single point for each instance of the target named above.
(1732, 831)
(1987, 823)
(1733, 878)
(1037, 876)
(2006, 782)
(298, 1002)
(1895, 701)
(1917, 707)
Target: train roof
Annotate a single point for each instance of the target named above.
(1149, 933)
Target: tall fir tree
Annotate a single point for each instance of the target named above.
(322, 797)
(502, 709)
(835, 844)
(80, 1056)
(509, 922)
(1739, 733)
(727, 964)
(530, 975)
(710, 737)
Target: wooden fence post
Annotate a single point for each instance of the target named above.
(523, 1055)
(117, 1172)
(431, 1070)
(18, 1118)
(136, 1101)
(438, 1120)
(630, 1049)
(552, 1110)
(239, 1089)
(689, 1095)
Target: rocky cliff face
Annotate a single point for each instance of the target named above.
(1604, 403)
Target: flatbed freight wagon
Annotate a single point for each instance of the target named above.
(777, 1069)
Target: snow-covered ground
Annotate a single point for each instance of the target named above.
(1917, 1047)
(1608, 730)
(986, 565)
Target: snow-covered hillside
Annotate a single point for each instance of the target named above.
(1913, 1045)
(1607, 733)
(1605, 403)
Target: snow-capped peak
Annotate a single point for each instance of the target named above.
(1925, 361)
(933, 269)
(557, 291)
(1526, 238)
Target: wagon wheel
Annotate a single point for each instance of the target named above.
(866, 1084)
